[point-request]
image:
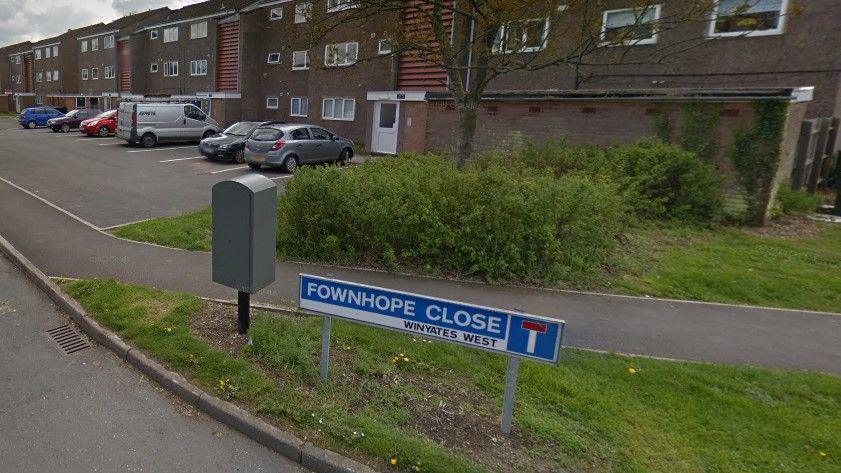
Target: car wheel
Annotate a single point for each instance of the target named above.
(65, 128)
(255, 166)
(103, 132)
(31, 124)
(239, 156)
(345, 156)
(290, 164)
(148, 140)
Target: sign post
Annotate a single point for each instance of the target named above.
(244, 238)
(519, 336)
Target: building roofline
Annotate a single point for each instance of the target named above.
(679, 94)
(186, 20)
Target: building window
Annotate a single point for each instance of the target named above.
(198, 68)
(339, 5)
(84, 46)
(108, 42)
(748, 17)
(522, 36)
(631, 26)
(273, 58)
(170, 34)
(170, 68)
(300, 60)
(198, 30)
(80, 102)
(37, 54)
(153, 68)
(17, 59)
(55, 51)
(55, 76)
(94, 73)
(47, 53)
(384, 47)
(39, 77)
(338, 109)
(299, 107)
(94, 44)
(84, 74)
(276, 13)
(108, 72)
(303, 11)
(272, 102)
(39, 100)
(153, 34)
(49, 77)
(341, 54)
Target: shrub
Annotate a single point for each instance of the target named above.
(494, 221)
(793, 202)
(657, 180)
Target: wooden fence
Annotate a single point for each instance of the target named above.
(816, 154)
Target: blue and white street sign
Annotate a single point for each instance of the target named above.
(505, 332)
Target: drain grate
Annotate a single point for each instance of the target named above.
(68, 339)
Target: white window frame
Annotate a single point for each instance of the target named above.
(780, 29)
(337, 45)
(276, 13)
(85, 75)
(198, 30)
(303, 11)
(335, 100)
(169, 65)
(37, 54)
(108, 42)
(55, 51)
(269, 58)
(381, 51)
(306, 65)
(94, 73)
(17, 59)
(195, 70)
(635, 42)
(168, 33)
(503, 34)
(55, 76)
(108, 72)
(276, 103)
(339, 5)
(94, 44)
(84, 47)
(49, 77)
(303, 104)
(153, 35)
(39, 77)
(47, 53)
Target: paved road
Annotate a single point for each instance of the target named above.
(62, 246)
(89, 411)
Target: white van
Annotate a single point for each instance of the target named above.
(149, 123)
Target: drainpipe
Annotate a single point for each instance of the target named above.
(470, 53)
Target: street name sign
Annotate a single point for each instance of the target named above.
(505, 332)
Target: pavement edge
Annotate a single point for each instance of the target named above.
(282, 442)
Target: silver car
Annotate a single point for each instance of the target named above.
(289, 145)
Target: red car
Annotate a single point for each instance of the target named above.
(103, 124)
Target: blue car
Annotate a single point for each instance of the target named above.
(38, 116)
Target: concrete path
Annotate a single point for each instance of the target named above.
(89, 411)
(63, 246)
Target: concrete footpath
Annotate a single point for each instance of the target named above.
(63, 246)
(89, 411)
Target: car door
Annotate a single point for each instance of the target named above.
(301, 141)
(325, 148)
(41, 116)
(194, 120)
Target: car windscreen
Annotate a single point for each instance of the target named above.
(73, 113)
(240, 129)
(266, 134)
(107, 114)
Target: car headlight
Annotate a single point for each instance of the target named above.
(224, 146)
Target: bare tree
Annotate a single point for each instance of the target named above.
(477, 41)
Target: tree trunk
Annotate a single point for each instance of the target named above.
(467, 132)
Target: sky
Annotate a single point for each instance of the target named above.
(22, 20)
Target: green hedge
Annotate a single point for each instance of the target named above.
(493, 220)
(658, 180)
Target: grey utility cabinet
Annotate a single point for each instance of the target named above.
(244, 232)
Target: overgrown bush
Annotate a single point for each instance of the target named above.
(492, 220)
(793, 202)
(657, 180)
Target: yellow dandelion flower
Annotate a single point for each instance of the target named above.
(406, 359)
(632, 370)
(393, 460)
(822, 454)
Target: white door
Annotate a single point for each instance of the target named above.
(386, 123)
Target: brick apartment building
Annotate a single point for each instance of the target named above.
(252, 60)
(16, 78)
(55, 62)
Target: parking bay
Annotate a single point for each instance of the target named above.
(107, 182)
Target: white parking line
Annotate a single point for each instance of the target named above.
(112, 144)
(180, 159)
(157, 149)
(230, 169)
(281, 177)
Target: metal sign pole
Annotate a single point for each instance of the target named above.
(325, 347)
(510, 393)
(243, 311)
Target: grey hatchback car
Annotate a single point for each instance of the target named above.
(289, 145)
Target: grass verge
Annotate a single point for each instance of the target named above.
(434, 407)
(794, 265)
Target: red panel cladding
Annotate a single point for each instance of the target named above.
(227, 62)
(124, 55)
(415, 73)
